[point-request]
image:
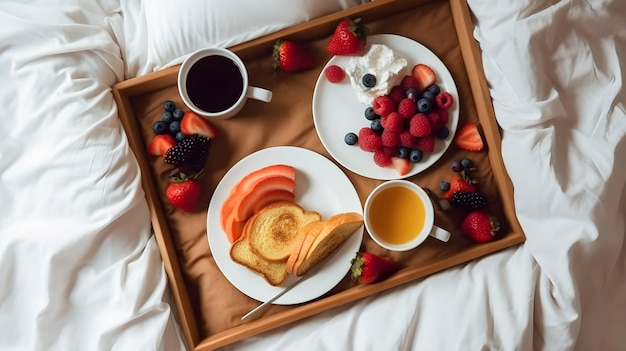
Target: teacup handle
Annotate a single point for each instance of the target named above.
(440, 234)
(259, 94)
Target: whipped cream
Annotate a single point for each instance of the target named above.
(381, 61)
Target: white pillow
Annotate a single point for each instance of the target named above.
(177, 28)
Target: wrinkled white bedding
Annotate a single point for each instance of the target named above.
(79, 269)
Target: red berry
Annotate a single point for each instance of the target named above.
(443, 116)
(382, 159)
(383, 105)
(389, 138)
(409, 82)
(390, 150)
(426, 143)
(435, 120)
(407, 140)
(396, 94)
(419, 125)
(394, 122)
(444, 100)
(369, 141)
(334, 73)
(407, 108)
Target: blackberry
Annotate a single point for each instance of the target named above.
(190, 153)
(469, 201)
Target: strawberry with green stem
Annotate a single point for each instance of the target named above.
(289, 56)
(349, 38)
(368, 268)
(480, 226)
(184, 192)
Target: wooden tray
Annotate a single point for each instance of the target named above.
(210, 318)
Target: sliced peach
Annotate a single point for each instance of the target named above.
(233, 228)
(271, 197)
(245, 203)
(248, 182)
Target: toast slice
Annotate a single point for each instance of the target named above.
(336, 230)
(272, 231)
(242, 253)
(303, 242)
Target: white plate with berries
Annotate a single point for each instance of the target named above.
(320, 186)
(371, 136)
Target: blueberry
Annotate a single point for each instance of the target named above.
(455, 166)
(178, 114)
(376, 126)
(404, 152)
(169, 106)
(369, 80)
(350, 138)
(159, 127)
(174, 127)
(370, 114)
(412, 94)
(434, 89)
(424, 105)
(180, 136)
(415, 155)
(466, 163)
(167, 117)
(442, 132)
(444, 186)
(428, 95)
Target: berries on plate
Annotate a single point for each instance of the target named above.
(444, 100)
(334, 74)
(424, 75)
(383, 105)
(468, 138)
(351, 138)
(289, 56)
(368, 80)
(184, 192)
(348, 39)
(368, 268)
(479, 226)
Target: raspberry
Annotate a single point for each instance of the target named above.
(407, 108)
(334, 74)
(394, 122)
(409, 82)
(370, 142)
(389, 138)
(383, 105)
(435, 120)
(425, 144)
(407, 140)
(396, 94)
(443, 116)
(382, 159)
(444, 100)
(365, 131)
(419, 125)
(390, 150)
(383, 120)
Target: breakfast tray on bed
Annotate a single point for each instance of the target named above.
(208, 307)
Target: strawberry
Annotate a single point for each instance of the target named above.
(290, 56)
(183, 192)
(402, 165)
(192, 123)
(424, 74)
(349, 38)
(460, 183)
(480, 227)
(369, 268)
(160, 144)
(468, 138)
(334, 73)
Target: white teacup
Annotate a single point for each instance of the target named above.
(399, 216)
(213, 82)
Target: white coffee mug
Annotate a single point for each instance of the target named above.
(399, 216)
(213, 82)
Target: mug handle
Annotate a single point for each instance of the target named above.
(440, 234)
(259, 94)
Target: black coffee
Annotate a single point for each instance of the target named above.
(214, 83)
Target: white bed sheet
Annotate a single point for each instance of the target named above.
(80, 270)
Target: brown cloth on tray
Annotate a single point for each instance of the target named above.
(288, 120)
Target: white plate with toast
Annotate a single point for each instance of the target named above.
(320, 186)
(337, 110)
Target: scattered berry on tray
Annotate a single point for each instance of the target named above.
(334, 74)
(469, 201)
(348, 39)
(178, 114)
(466, 163)
(169, 106)
(160, 144)
(184, 192)
(468, 138)
(192, 123)
(289, 56)
(480, 226)
(460, 183)
(167, 117)
(191, 153)
(367, 268)
(351, 138)
(159, 127)
(456, 166)
(444, 186)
